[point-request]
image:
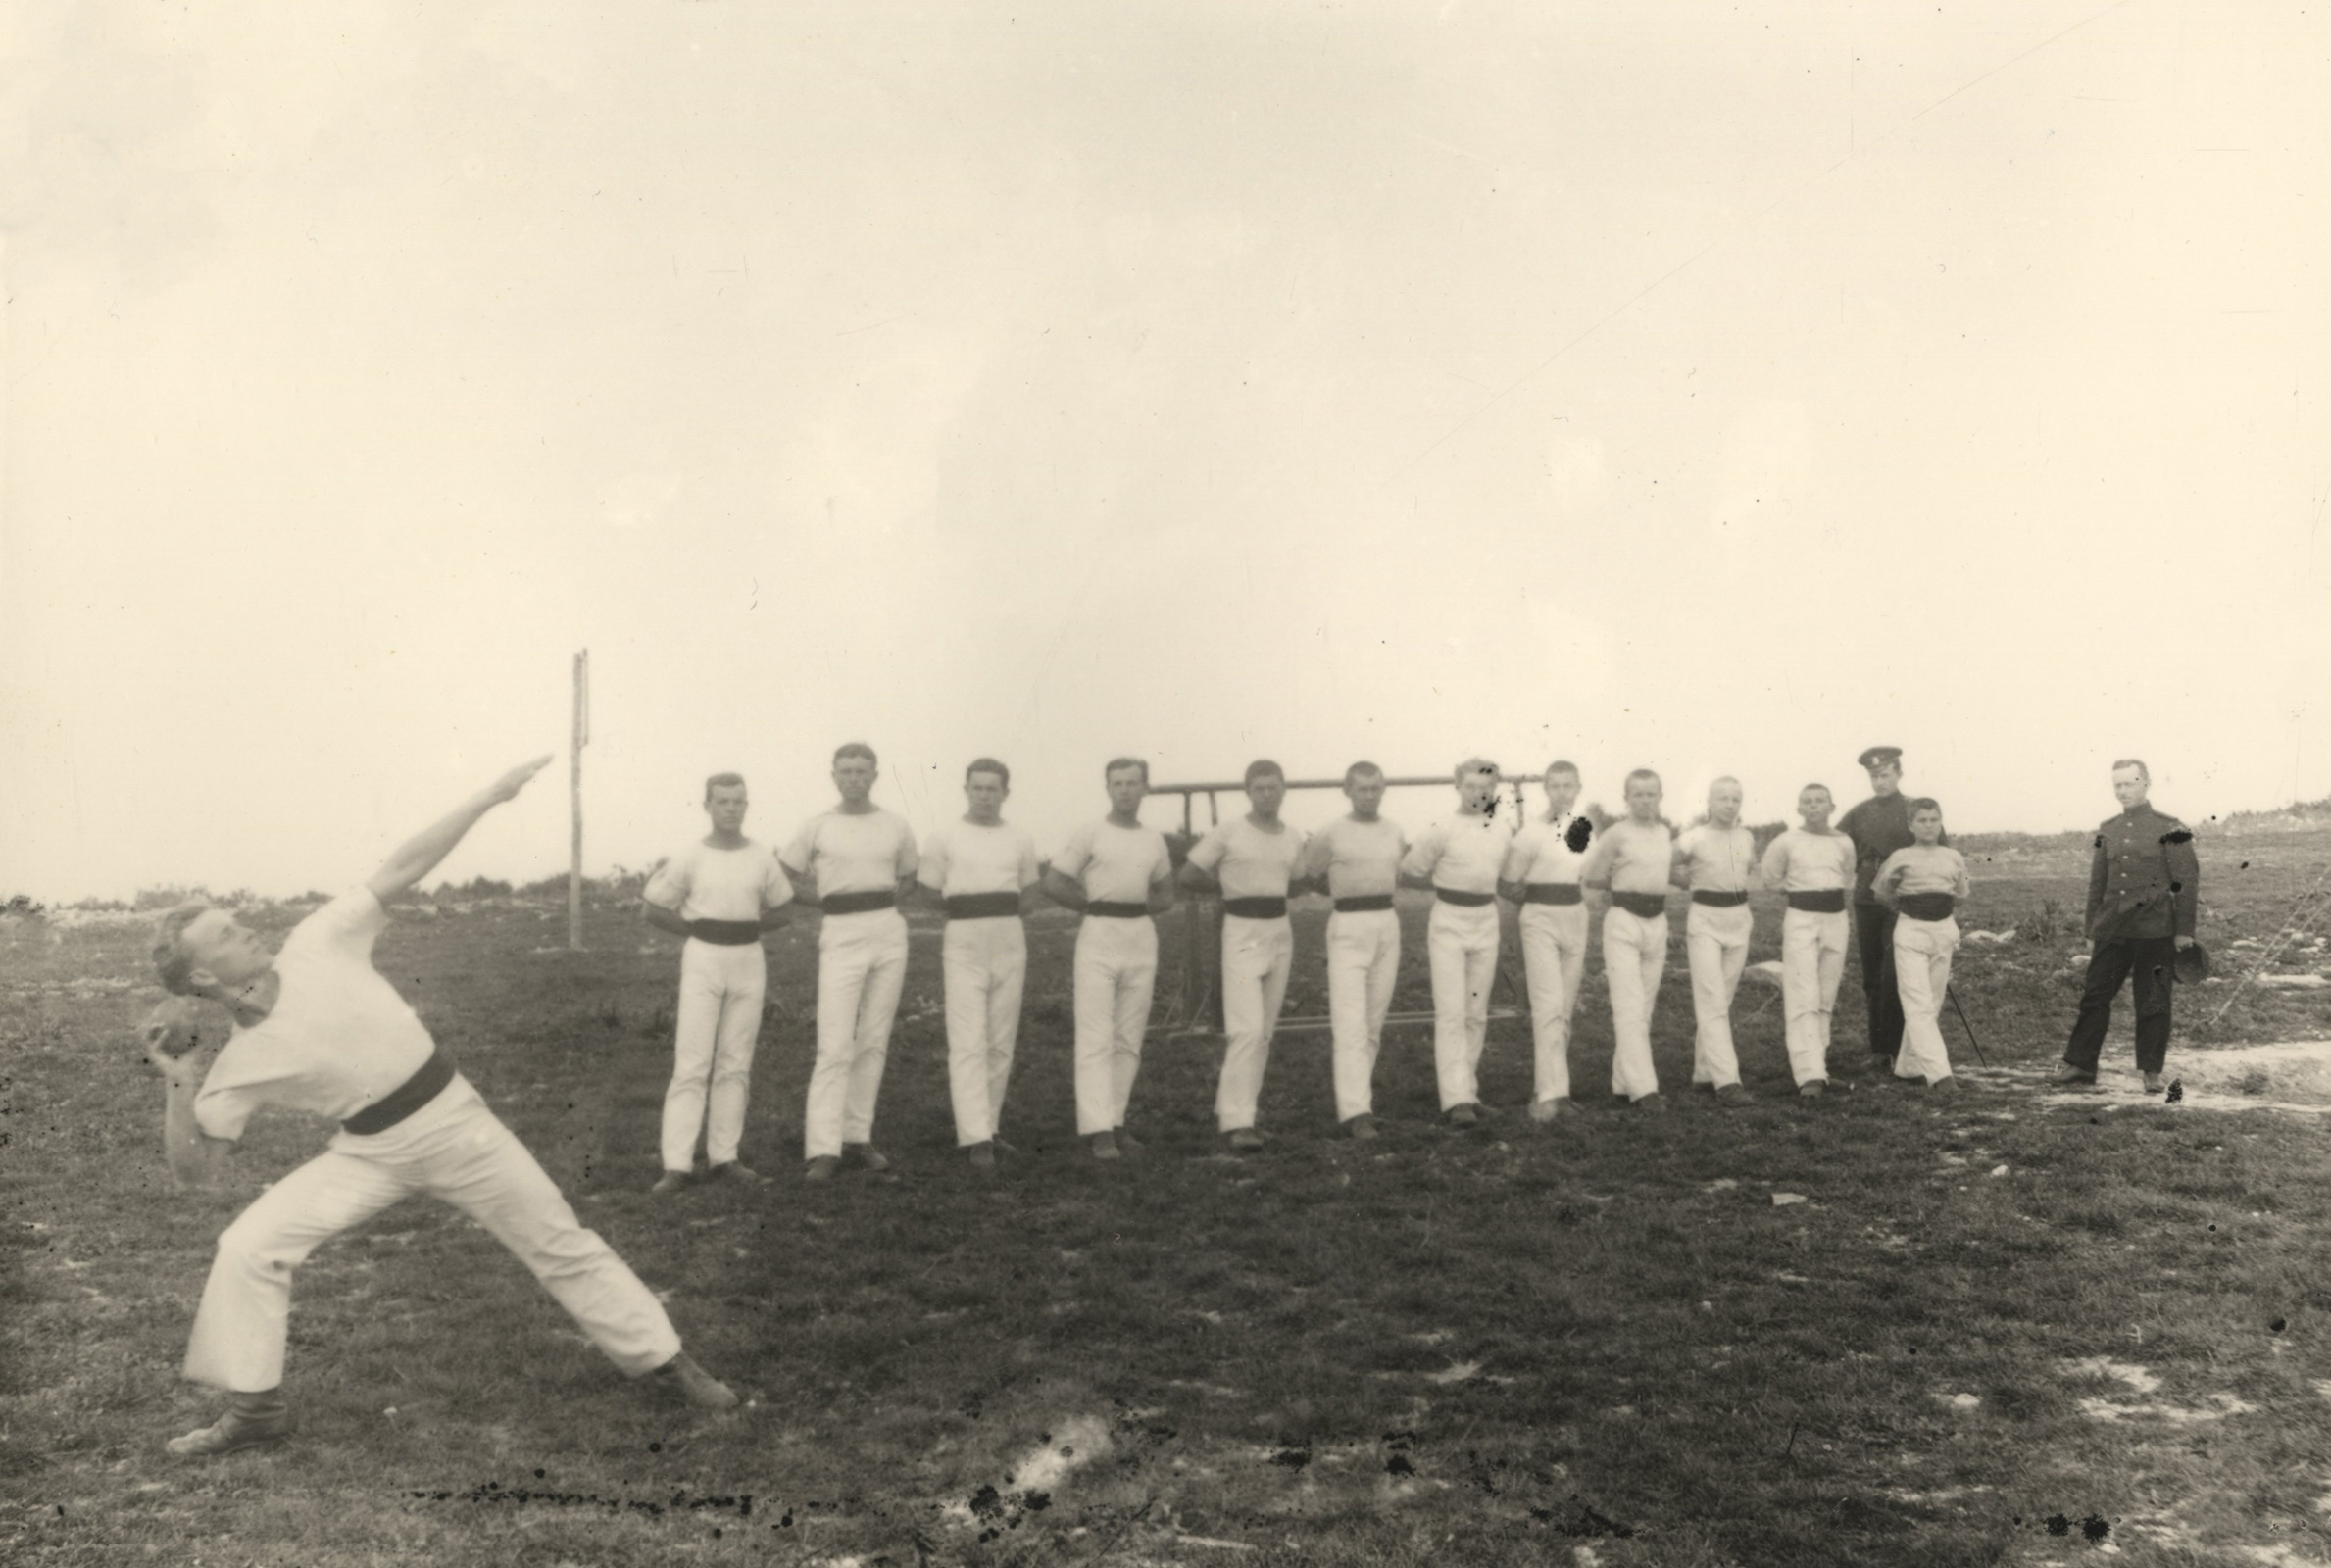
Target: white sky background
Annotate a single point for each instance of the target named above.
(1714, 388)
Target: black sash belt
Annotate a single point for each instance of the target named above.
(1553, 893)
(407, 1098)
(983, 906)
(857, 902)
(725, 933)
(1926, 905)
(1641, 906)
(1822, 900)
(1364, 903)
(1720, 901)
(1463, 901)
(1255, 909)
(1117, 911)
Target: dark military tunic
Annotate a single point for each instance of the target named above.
(2144, 890)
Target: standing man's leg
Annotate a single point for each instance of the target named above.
(2154, 960)
(2107, 966)
(1446, 955)
(735, 1039)
(1542, 969)
(1137, 980)
(1351, 951)
(695, 1038)
(1634, 956)
(965, 971)
(1801, 995)
(878, 1008)
(1715, 941)
(1874, 934)
(1481, 977)
(844, 957)
(1007, 977)
(1096, 986)
(1836, 930)
(1922, 968)
(1248, 1014)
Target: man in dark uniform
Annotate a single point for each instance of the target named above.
(2144, 887)
(1878, 826)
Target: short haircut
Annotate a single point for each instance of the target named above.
(1118, 763)
(1264, 767)
(1474, 767)
(721, 781)
(171, 963)
(855, 749)
(1361, 769)
(1562, 765)
(1717, 783)
(1641, 773)
(2136, 762)
(988, 765)
(1823, 788)
(1927, 803)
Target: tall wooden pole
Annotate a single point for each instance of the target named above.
(582, 737)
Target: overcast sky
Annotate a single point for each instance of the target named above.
(1709, 387)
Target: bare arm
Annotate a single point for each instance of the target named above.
(662, 920)
(1063, 888)
(194, 1156)
(419, 855)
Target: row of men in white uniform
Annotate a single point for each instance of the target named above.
(859, 862)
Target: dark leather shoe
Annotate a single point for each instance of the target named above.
(232, 1431)
(694, 1384)
(868, 1157)
(2066, 1073)
(672, 1181)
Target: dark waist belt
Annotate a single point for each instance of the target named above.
(1641, 906)
(857, 902)
(1826, 900)
(983, 906)
(1364, 903)
(725, 933)
(1720, 901)
(1255, 909)
(1117, 911)
(1463, 901)
(407, 1098)
(1926, 905)
(1553, 893)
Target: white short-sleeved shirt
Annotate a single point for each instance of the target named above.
(1362, 860)
(339, 1035)
(965, 857)
(704, 882)
(844, 851)
(1925, 869)
(1541, 852)
(1248, 861)
(1799, 861)
(1718, 859)
(1463, 853)
(1637, 858)
(1116, 865)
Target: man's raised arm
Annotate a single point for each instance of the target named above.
(419, 855)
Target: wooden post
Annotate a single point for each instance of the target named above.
(582, 737)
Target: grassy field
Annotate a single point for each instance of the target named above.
(2009, 1327)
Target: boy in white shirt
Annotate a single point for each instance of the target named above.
(853, 861)
(1813, 867)
(1541, 876)
(1356, 861)
(1458, 858)
(317, 1029)
(1251, 860)
(719, 892)
(1120, 877)
(1715, 861)
(978, 868)
(1922, 885)
(1634, 858)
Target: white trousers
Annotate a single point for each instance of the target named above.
(1923, 950)
(1460, 944)
(453, 1149)
(1715, 941)
(986, 962)
(1634, 957)
(1554, 958)
(1362, 961)
(1116, 970)
(711, 1058)
(862, 962)
(1812, 961)
(1257, 956)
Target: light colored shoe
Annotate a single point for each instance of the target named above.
(1104, 1146)
(1362, 1128)
(1243, 1140)
(234, 1430)
(672, 1181)
(820, 1169)
(1733, 1094)
(694, 1384)
(1812, 1089)
(982, 1156)
(868, 1157)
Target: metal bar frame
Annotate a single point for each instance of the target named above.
(1195, 1010)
